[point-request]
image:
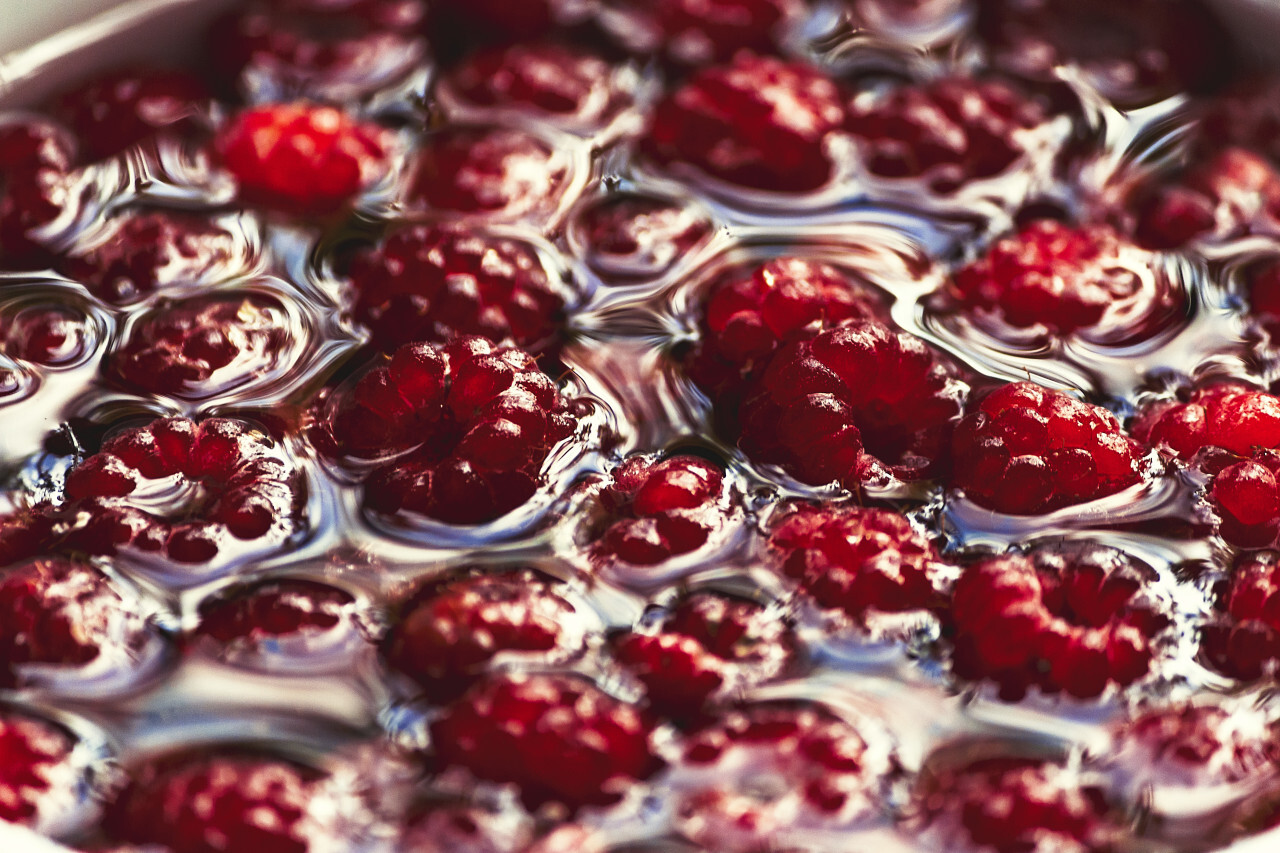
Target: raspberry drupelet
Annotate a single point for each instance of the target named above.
(1242, 636)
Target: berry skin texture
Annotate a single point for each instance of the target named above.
(36, 779)
(1027, 450)
(558, 738)
(1229, 416)
(1067, 621)
(760, 123)
(1242, 638)
(301, 159)
(125, 107)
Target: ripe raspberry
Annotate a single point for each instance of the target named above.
(1263, 283)
(948, 132)
(629, 235)
(1244, 116)
(118, 110)
(24, 534)
(657, 509)
(1228, 415)
(291, 615)
(445, 636)
(231, 490)
(300, 158)
(44, 333)
(35, 188)
(451, 828)
(707, 648)
(1072, 620)
(435, 283)
(861, 561)
(767, 776)
(204, 346)
(1247, 497)
(1028, 450)
(1233, 193)
(760, 123)
(38, 779)
(557, 738)
(852, 403)
(695, 33)
(1242, 639)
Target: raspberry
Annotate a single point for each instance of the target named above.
(858, 560)
(949, 132)
(1242, 638)
(446, 634)
(47, 334)
(1068, 279)
(446, 828)
(694, 33)
(636, 236)
(1070, 620)
(707, 648)
(1245, 117)
(557, 738)
(35, 163)
(204, 346)
(300, 158)
(851, 403)
(657, 509)
(25, 534)
(289, 616)
(128, 106)
(1233, 193)
(38, 779)
(767, 776)
(1263, 282)
(502, 174)
(1248, 499)
(234, 491)
(149, 250)
(759, 123)
(1228, 415)
(456, 24)
(434, 283)
(1028, 450)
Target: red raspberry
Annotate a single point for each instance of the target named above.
(851, 403)
(1067, 280)
(1247, 496)
(769, 776)
(25, 534)
(1242, 639)
(446, 634)
(434, 283)
(35, 163)
(145, 251)
(1028, 450)
(120, 109)
(1233, 193)
(760, 123)
(707, 648)
(557, 738)
(655, 510)
(1228, 415)
(45, 333)
(38, 776)
(1246, 116)
(495, 172)
(205, 346)
(452, 828)
(861, 561)
(628, 235)
(696, 32)
(1263, 283)
(231, 491)
(300, 158)
(290, 617)
(1075, 620)
(948, 132)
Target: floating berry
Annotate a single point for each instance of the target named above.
(760, 123)
(26, 533)
(36, 185)
(694, 32)
(1263, 283)
(1242, 638)
(249, 621)
(1233, 193)
(38, 778)
(1227, 415)
(1247, 497)
(125, 107)
(1028, 450)
(301, 158)
(636, 236)
(558, 738)
(435, 283)
(1074, 621)
(51, 335)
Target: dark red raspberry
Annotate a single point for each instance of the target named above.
(122, 108)
(38, 777)
(768, 776)
(851, 405)
(37, 186)
(1245, 116)
(434, 283)
(1228, 415)
(948, 132)
(558, 738)
(24, 534)
(1242, 638)
(44, 333)
(656, 509)
(446, 634)
(453, 828)
(1233, 193)
(149, 250)
(707, 648)
(1069, 620)
(861, 561)
(292, 617)
(204, 346)
(697, 32)
(627, 235)
(760, 123)
(1263, 283)
(456, 24)
(499, 173)
(230, 490)
(301, 158)
(1066, 279)
(1028, 450)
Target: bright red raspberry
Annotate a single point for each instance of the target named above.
(760, 123)
(1074, 621)
(301, 158)
(233, 491)
(853, 404)
(861, 561)
(204, 346)
(45, 333)
(290, 617)
(707, 648)
(1247, 497)
(435, 283)
(444, 636)
(1228, 415)
(1027, 450)
(1232, 193)
(628, 235)
(697, 32)
(120, 109)
(1242, 638)
(36, 187)
(558, 738)
(38, 774)
(656, 509)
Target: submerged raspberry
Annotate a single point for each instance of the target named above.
(246, 618)
(37, 782)
(697, 32)
(35, 188)
(451, 828)
(760, 123)
(1235, 192)
(631, 235)
(120, 109)
(52, 335)
(1227, 415)
(558, 738)
(26, 533)
(1074, 621)
(1242, 638)
(1027, 450)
